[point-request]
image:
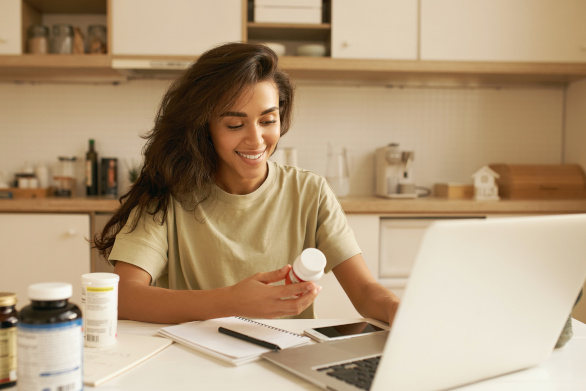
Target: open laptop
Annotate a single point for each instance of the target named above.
(485, 298)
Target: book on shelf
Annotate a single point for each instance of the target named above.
(204, 336)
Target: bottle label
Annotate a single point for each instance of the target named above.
(292, 278)
(50, 356)
(88, 173)
(101, 314)
(7, 355)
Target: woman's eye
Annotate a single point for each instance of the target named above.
(269, 122)
(234, 126)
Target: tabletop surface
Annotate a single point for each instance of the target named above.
(181, 368)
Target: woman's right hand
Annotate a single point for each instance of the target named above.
(255, 297)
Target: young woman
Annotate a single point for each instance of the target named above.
(211, 225)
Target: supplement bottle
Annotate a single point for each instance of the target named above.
(8, 322)
(309, 266)
(50, 340)
(99, 300)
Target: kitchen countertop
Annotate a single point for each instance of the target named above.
(351, 205)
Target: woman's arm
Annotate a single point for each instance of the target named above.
(253, 297)
(370, 299)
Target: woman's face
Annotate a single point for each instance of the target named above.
(245, 136)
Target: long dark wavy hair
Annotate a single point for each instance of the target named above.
(179, 158)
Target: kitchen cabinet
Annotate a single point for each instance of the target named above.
(388, 29)
(504, 30)
(43, 248)
(11, 29)
(179, 27)
(361, 66)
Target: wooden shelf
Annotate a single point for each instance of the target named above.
(69, 6)
(98, 68)
(59, 68)
(288, 32)
(432, 72)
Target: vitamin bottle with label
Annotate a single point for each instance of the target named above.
(50, 340)
(8, 322)
(309, 266)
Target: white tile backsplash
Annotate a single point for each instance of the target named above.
(453, 131)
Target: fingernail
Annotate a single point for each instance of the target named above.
(318, 289)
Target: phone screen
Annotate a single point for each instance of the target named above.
(345, 330)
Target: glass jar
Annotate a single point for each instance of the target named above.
(96, 39)
(38, 39)
(62, 42)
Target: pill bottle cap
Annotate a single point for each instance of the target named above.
(100, 279)
(310, 265)
(50, 291)
(7, 299)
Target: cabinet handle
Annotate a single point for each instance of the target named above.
(345, 44)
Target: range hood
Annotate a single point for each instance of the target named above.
(150, 68)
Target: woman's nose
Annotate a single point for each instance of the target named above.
(255, 135)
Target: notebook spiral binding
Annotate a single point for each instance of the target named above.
(270, 327)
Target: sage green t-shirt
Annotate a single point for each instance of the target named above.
(231, 237)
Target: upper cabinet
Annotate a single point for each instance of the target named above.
(375, 29)
(504, 30)
(419, 42)
(173, 28)
(11, 27)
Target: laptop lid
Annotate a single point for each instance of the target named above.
(485, 297)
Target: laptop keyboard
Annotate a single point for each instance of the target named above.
(359, 373)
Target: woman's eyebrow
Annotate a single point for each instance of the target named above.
(239, 114)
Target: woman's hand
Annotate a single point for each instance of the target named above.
(255, 297)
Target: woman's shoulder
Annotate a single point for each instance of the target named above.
(294, 175)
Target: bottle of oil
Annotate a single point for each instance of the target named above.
(91, 170)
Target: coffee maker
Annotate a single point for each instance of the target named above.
(393, 172)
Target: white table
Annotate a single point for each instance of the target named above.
(179, 368)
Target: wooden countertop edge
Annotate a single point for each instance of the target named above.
(351, 205)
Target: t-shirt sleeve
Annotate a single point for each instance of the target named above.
(146, 246)
(334, 237)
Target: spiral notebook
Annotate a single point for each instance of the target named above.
(204, 337)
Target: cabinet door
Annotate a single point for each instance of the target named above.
(332, 302)
(503, 30)
(178, 27)
(374, 29)
(10, 27)
(43, 248)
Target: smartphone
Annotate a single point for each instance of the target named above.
(341, 331)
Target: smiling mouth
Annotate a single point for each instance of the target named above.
(251, 157)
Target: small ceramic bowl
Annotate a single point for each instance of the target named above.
(312, 50)
(276, 47)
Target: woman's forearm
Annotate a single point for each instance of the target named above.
(146, 303)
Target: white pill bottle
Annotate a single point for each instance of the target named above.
(99, 299)
(309, 266)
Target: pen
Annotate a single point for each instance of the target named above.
(247, 338)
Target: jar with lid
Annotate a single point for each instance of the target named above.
(96, 39)
(50, 340)
(38, 39)
(8, 322)
(62, 42)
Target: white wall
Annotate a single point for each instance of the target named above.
(453, 131)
